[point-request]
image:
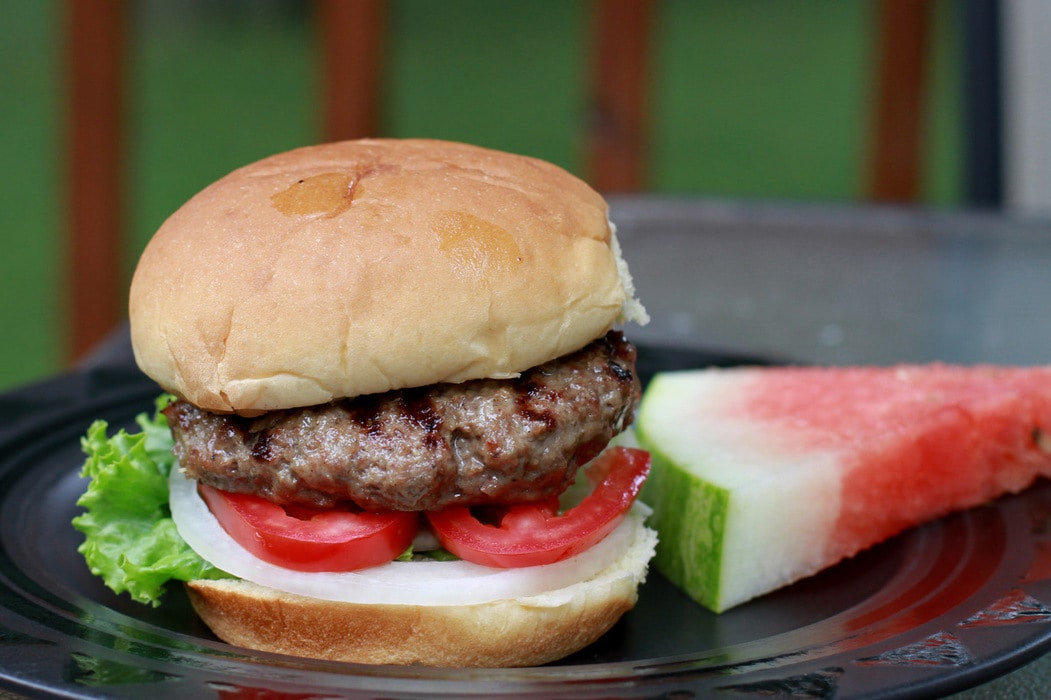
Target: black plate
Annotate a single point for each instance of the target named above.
(938, 609)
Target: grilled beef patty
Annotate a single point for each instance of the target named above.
(482, 441)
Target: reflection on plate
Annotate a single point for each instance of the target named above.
(938, 609)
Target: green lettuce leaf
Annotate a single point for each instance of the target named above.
(438, 554)
(130, 539)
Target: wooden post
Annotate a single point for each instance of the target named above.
(351, 33)
(95, 42)
(896, 159)
(618, 138)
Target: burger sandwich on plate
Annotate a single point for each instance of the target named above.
(393, 371)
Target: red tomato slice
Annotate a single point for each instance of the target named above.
(534, 534)
(311, 540)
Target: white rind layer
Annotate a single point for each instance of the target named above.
(782, 501)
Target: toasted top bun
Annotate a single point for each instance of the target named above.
(363, 266)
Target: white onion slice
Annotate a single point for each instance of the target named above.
(398, 582)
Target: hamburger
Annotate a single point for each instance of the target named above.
(393, 372)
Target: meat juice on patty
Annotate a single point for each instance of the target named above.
(478, 442)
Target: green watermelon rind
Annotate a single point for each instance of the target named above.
(690, 516)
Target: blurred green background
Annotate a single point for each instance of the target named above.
(751, 99)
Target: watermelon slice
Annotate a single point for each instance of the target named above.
(762, 476)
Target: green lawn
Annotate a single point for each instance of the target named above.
(751, 99)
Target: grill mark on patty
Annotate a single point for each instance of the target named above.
(622, 356)
(261, 447)
(365, 412)
(527, 398)
(421, 410)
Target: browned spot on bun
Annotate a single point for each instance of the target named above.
(327, 194)
(476, 245)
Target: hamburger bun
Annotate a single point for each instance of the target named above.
(442, 262)
(523, 631)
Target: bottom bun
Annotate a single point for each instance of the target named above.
(523, 631)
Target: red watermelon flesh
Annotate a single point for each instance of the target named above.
(915, 442)
(875, 450)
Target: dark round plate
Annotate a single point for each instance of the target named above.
(938, 609)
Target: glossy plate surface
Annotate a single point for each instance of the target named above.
(938, 609)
